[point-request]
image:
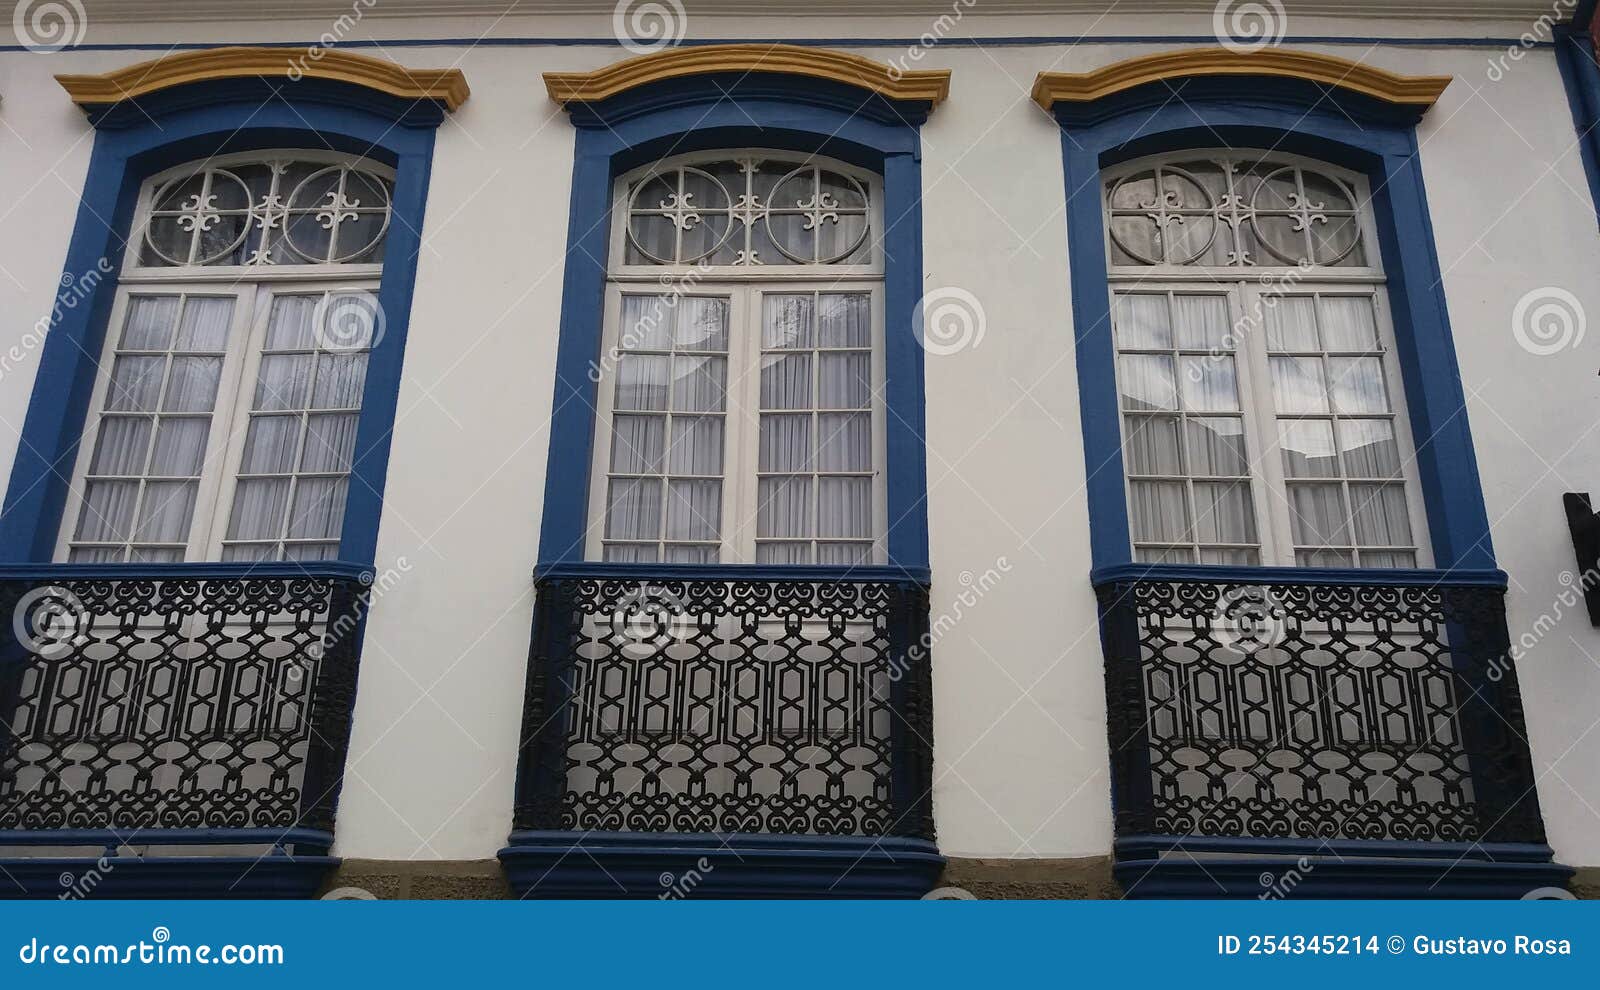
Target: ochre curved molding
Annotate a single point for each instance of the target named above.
(444, 86)
(1081, 87)
(927, 85)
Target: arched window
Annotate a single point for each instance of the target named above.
(741, 378)
(224, 416)
(1262, 412)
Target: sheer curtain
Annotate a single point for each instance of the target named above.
(815, 494)
(143, 477)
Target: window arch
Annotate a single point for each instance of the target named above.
(225, 407)
(742, 372)
(1263, 420)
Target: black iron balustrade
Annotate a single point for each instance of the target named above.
(1315, 712)
(793, 706)
(176, 703)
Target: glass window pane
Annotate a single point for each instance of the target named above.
(698, 383)
(1317, 515)
(1216, 447)
(636, 443)
(844, 507)
(165, 513)
(180, 449)
(702, 323)
(258, 507)
(148, 325)
(205, 324)
(783, 507)
(1160, 511)
(1368, 448)
(192, 384)
(633, 509)
(694, 510)
(1201, 321)
(1209, 384)
(1348, 323)
(1297, 385)
(283, 381)
(787, 322)
(1152, 445)
(330, 442)
(690, 555)
(122, 445)
(341, 378)
(1358, 385)
(844, 381)
(107, 513)
(1225, 557)
(1380, 515)
(631, 554)
(269, 446)
(1323, 558)
(1146, 382)
(318, 508)
(844, 442)
(1164, 555)
(696, 445)
(844, 319)
(785, 443)
(135, 383)
(783, 553)
(1224, 513)
(844, 554)
(786, 381)
(1307, 448)
(647, 323)
(289, 326)
(1141, 322)
(1291, 323)
(1388, 558)
(642, 381)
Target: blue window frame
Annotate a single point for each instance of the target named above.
(1360, 134)
(137, 139)
(778, 112)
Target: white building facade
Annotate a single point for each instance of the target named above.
(754, 449)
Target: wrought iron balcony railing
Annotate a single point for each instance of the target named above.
(187, 704)
(728, 702)
(1341, 714)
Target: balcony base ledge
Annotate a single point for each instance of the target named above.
(1273, 869)
(164, 877)
(673, 866)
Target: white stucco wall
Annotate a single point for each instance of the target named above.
(1020, 743)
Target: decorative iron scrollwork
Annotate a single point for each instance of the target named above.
(800, 707)
(1346, 712)
(176, 702)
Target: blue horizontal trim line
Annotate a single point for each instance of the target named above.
(731, 572)
(165, 836)
(1366, 577)
(1153, 845)
(192, 571)
(999, 41)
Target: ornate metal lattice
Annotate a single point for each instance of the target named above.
(176, 702)
(728, 706)
(1315, 711)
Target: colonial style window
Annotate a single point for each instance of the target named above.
(740, 400)
(1262, 414)
(225, 409)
